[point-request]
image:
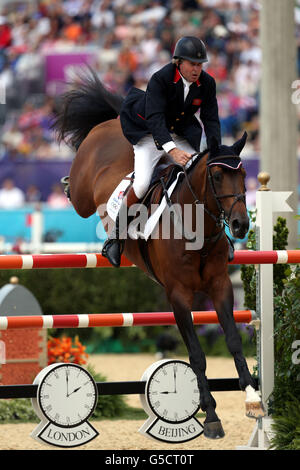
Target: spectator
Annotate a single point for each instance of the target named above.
(12, 138)
(57, 199)
(127, 59)
(103, 18)
(5, 33)
(11, 197)
(128, 40)
(29, 69)
(33, 194)
(72, 29)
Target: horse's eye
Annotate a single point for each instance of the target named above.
(217, 177)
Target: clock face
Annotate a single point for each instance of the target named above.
(172, 391)
(67, 395)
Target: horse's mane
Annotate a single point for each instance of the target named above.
(197, 160)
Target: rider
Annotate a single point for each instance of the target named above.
(162, 119)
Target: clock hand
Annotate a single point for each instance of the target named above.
(174, 371)
(67, 380)
(76, 390)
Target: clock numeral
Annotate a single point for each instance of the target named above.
(156, 404)
(87, 382)
(154, 393)
(165, 413)
(45, 397)
(68, 420)
(175, 367)
(157, 381)
(56, 375)
(176, 416)
(194, 402)
(49, 408)
(87, 407)
(56, 417)
(196, 390)
(193, 380)
(164, 372)
(89, 394)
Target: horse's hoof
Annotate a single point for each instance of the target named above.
(213, 430)
(254, 409)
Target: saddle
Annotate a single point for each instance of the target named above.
(163, 176)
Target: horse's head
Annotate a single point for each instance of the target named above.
(226, 178)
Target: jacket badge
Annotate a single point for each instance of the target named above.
(196, 102)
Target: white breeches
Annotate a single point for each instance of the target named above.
(146, 156)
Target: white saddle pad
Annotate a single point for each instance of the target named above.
(115, 201)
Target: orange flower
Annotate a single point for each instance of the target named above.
(62, 350)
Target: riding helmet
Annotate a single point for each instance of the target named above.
(190, 48)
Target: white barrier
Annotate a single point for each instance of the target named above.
(267, 203)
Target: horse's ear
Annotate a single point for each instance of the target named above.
(214, 146)
(239, 145)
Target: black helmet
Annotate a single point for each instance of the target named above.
(190, 48)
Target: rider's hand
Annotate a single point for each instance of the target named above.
(180, 156)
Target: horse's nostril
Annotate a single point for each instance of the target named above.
(235, 225)
(239, 228)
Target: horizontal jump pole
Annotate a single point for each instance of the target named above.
(96, 260)
(266, 257)
(114, 319)
(118, 388)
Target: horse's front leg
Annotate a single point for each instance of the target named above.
(221, 293)
(181, 300)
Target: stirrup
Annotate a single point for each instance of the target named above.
(65, 180)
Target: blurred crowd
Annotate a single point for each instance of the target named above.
(13, 197)
(129, 40)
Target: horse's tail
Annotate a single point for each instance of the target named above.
(85, 106)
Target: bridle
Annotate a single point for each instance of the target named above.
(222, 218)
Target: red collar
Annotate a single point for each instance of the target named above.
(177, 77)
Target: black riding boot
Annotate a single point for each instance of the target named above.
(113, 246)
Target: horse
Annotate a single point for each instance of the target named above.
(87, 119)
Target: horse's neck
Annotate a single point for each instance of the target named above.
(199, 182)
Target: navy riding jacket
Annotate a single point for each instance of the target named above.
(161, 110)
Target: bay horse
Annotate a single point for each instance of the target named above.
(87, 119)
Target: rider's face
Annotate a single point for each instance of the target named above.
(190, 70)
